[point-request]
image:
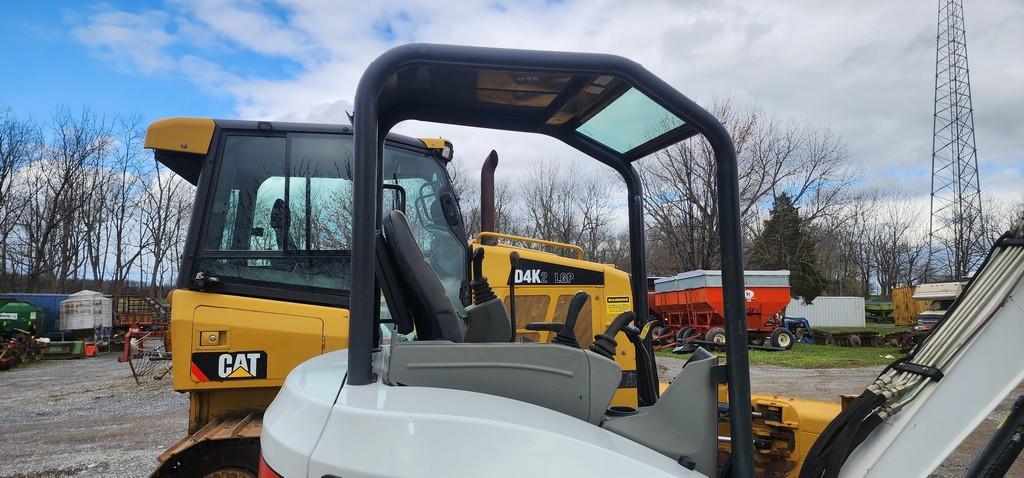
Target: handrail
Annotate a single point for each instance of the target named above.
(510, 237)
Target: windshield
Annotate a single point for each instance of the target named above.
(281, 213)
(631, 120)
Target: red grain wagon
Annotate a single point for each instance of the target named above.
(690, 305)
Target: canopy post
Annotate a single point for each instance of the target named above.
(367, 149)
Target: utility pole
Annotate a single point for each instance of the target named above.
(956, 233)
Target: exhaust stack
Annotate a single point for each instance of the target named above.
(487, 213)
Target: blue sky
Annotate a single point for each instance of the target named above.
(865, 70)
(50, 67)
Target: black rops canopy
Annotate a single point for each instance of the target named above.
(607, 107)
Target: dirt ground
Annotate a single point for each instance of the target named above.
(88, 417)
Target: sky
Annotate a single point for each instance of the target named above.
(863, 69)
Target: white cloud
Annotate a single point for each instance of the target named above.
(129, 40)
(866, 70)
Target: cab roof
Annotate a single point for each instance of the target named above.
(180, 142)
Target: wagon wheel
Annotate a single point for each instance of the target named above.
(716, 335)
(684, 335)
(782, 338)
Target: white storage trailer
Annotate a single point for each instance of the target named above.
(829, 311)
(86, 310)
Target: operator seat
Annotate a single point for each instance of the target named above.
(424, 295)
(279, 223)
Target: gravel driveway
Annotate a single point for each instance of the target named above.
(85, 418)
(89, 418)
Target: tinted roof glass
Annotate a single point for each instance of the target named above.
(630, 121)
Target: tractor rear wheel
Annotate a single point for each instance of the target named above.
(782, 338)
(716, 335)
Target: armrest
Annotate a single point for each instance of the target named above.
(545, 326)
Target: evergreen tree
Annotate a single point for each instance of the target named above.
(786, 242)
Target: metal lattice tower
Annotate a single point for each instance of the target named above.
(956, 232)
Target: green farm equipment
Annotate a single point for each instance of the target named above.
(19, 322)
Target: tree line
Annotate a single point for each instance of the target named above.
(803, 208)
(83, 205)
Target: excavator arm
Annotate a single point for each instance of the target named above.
(923, 406)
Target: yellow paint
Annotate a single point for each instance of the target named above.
(289, 333)
(187, 135)
(240, 372)
(434, 143)
(509, 237)
(802, 421)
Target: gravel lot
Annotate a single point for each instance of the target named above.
(88, 417)
(85, 418)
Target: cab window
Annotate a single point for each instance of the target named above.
(281, 213)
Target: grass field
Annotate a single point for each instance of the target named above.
(818, 356)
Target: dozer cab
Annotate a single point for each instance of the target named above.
(265, 277)
(452, 399)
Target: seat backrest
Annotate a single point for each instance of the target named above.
(423, 293)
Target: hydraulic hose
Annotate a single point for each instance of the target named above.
(896, 387)
(513, 261)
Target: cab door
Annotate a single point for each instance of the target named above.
(241, 343)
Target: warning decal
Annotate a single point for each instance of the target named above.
(618, 305)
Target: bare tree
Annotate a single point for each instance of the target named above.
(568, 205)
(58, 189)
(122, 205)
(843, 249)
(19, 143)
(166, 204)
(899, 247)
(774, 157)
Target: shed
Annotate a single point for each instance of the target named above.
(829, 311)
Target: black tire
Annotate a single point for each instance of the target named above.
(782, 338)
(716, 335)
(684, 334)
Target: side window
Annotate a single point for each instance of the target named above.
(529, 308)
(280, 213)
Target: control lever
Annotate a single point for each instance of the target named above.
(513, 260)
(566, 331)
(604, 344)
(481, 288)
(567, 335)
(487, 320)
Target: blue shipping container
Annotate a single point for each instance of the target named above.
(49, 304)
